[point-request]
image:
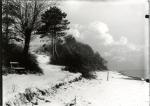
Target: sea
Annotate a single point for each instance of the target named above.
(135, 73)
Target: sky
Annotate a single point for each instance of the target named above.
(116, 29)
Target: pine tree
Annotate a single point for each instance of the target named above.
(54, 25)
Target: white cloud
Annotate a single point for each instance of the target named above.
(103, 32)
(108, 40)
(74, 32)
(100, 27)
(99, 31)
(123, 41)
(134, 47)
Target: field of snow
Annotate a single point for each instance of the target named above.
(118, 90)
(14, 84)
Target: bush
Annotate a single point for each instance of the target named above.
(78, 57)
(14, 53)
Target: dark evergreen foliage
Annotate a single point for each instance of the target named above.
(54, 25)
(77, 57)
(54, 22)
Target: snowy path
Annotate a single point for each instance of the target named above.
(118, 91)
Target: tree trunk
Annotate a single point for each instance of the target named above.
(27, 43)
(52, 43)
(55, 47)
(7, 38)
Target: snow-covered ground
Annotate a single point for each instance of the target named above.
(14, 84)
(119, 90)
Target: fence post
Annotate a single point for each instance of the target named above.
(107, 75)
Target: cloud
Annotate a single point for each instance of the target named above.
(99, 26)
(116, 51)
(99, 31)
(107, 38)
(123, 41)
(75, 30)
(103, 32)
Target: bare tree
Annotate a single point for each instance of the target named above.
(7, 21)
(27, 16)
(7, 32)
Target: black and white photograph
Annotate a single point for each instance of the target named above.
(75, 53)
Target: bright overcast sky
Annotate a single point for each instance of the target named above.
(116, 28)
